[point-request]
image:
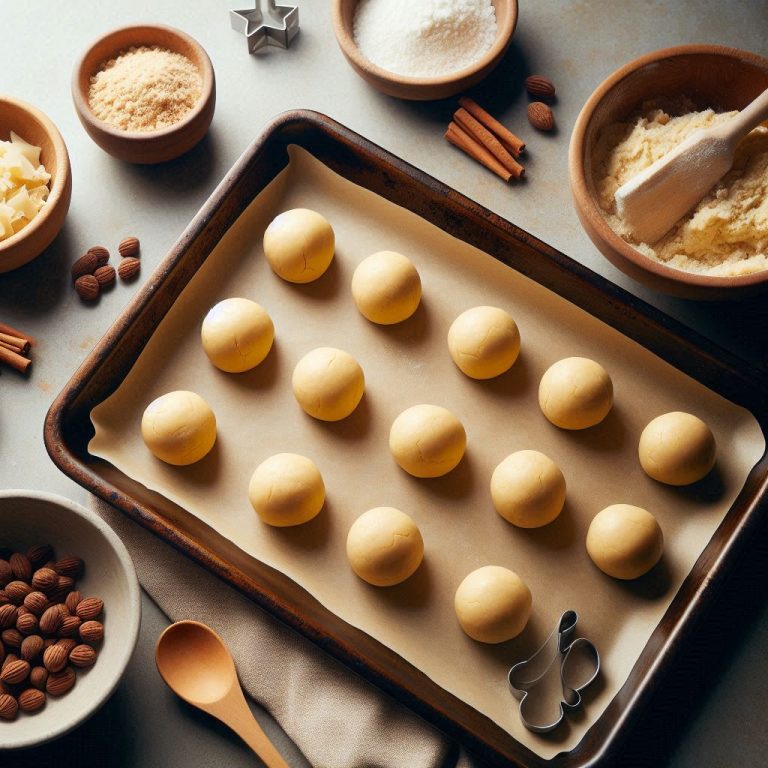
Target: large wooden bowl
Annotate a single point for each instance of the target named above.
(712, 76)
(145, 147)
(33, 126)
(422, 88)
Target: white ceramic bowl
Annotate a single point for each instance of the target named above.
(33, 517)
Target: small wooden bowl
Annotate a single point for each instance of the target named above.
(33, 126)
(422, 88)
(145, 147)
(711, 76)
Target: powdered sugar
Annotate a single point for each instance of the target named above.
(426, 38)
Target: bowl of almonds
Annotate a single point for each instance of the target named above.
(69, 615)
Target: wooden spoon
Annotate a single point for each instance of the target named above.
(197, 666)
(651, 202)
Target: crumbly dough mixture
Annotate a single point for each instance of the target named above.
(727, 233)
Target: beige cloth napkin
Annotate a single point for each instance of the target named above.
(336, 718)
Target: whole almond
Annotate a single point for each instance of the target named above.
(129, 246)
(39, 554)
(59, 683)
(91, 631)
(51, 620)
(101, 254)
(8, 707)
(71, 566)
(38, 677)
(85, 265)
(128, 268)
(31, 700)
(8, 659)
(69, 626)
(31, 647)
(106, 275)
(67, 643)
(539, 87)
(27, 624)
(21, 567)
(89, 608)
(17, 591)
(3, 597)
(36, 602)
(72, 599)
(88, 288)
(540, 116)
(8, 615)
(12, 638)
(45, 579)
(15, 672)
(6, 574)
(83, 656)
(55, 658)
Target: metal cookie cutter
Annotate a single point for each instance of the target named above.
(579, 666)
(269, 23)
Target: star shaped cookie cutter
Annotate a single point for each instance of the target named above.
(579, 666)
(269, 23)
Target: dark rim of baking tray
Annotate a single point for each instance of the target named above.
(68, 427)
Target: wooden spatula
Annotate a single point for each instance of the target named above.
(651, 202)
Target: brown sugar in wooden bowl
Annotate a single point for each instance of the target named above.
(33, 126)
(711, 76)
(422, 88)
(145, 147)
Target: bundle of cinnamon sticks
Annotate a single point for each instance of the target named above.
(14, 348)
(486, 140)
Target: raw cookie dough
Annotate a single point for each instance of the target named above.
(328, 383)
(237, 335)
(287, 489)
(384, 546)
(179, 427)
(624, 541)
(386, 288)
(677, 448)
(427, 440)
(299, 245)
(575, 393)
(484, 342)
(528, 489)
(493, 604)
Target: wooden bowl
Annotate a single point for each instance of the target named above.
(33, 126)
(711, 76)
(145, 147)
(422, 88)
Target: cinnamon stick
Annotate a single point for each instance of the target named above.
(11, 331)
(484, 137)
(19, 344)
(14, 360)
(513, 143)
(459, 138)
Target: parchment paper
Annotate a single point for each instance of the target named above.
(407, 364)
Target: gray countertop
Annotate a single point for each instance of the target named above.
(576, 44)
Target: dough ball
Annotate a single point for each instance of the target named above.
(299, 245)
(677, 448)
(384, 546)
(328, 383)
(287, 489)
(624, 541)
(386, 288)
(575, 393)
(179, 428)
(427, 440)
(237, 334)
(484, 342)
(493, 604)
(528, 489)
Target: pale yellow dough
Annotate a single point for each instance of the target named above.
(287, 489)
(677, 448)
(384, 546)
(179, 427)
(575, 393)
(528, 489)
(427, 440)
(493, 604)
(484, 342)
(328, 383)
(625, 541)
(299, 245)
(386, 288)
(237, 335)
